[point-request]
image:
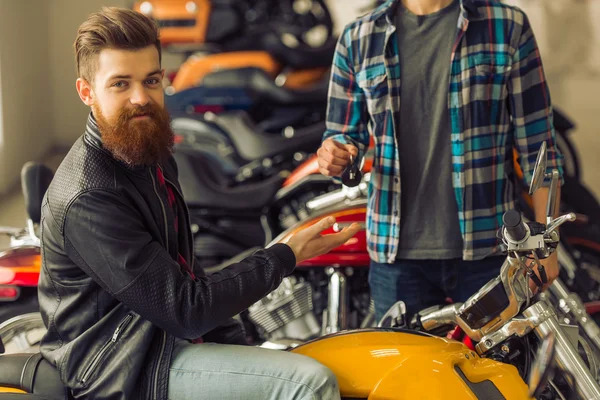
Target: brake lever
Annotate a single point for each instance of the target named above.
(559, 221)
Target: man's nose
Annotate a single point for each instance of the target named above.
(139, 96)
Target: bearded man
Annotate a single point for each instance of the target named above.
(128, 313)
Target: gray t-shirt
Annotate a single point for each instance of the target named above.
(429, 227)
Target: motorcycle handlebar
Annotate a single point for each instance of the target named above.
(443, 316)
(514, 225)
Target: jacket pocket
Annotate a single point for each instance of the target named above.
(103, 352)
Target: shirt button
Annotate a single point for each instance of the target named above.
(396, 179)
(395, 213)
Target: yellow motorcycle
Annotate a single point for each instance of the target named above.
(516, 337)
(502, 318)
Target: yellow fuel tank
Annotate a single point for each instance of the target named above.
(379, 364)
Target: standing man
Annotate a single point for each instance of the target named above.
(447, 89)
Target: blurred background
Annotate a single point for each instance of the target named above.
(246, 86)
(41, 114)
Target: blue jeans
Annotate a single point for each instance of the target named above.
(229, 372)
(425, 283)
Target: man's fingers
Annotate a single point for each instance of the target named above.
(352, 149)
(316, 229)
(340, 150)
(337, 239)
(349, 232)
(331, 144)
(331, 167)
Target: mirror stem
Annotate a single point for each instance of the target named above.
(552, 195)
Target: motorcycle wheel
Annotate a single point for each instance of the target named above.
(584, 239)
(23, 333)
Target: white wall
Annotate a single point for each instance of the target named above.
(26, 132)
(68, 112)
(40, 106)
(344, 11)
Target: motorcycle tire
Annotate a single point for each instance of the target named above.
(572, 165)
(23, 333)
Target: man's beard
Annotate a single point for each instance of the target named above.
(137, 142)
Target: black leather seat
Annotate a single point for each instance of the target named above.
(32, 374)
(203, 187)
(253, 144)
(35, 179)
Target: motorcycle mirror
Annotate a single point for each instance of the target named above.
(542, 370)
(394, 317)
(539, 171)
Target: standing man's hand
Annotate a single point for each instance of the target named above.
(334, 157)
(309, 242)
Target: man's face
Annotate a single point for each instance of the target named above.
(127, 101)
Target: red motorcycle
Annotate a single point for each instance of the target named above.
(574, 294)
(20, 325)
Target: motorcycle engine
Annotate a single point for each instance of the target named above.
(287, 312)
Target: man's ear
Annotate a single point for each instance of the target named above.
(84, 89)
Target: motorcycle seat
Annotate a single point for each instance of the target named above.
(253, 144)
(32, 374)
(35, 179)
(301, 56)
(263, 87)
(203, 185)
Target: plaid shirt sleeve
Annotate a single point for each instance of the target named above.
(346, 109)
(530, 106)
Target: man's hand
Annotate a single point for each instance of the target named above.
(552, 270)
(309, 242)
(334, 157)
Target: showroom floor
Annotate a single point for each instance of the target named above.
(565, 29)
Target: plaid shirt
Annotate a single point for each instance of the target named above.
(498, 100)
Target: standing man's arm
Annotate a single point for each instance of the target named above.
(531, 112)
(347, 116)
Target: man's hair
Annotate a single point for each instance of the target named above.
(112, 28)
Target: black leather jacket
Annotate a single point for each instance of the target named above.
(111, 293)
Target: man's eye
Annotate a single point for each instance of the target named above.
(120, 84)
(152, 81)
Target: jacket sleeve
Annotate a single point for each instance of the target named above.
(346, 104)
(106, 237)
(229, 332)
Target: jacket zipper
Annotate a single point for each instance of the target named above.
(163, 210)
(164, 334)
(162, 351)
(94, 364)
(163, 340)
